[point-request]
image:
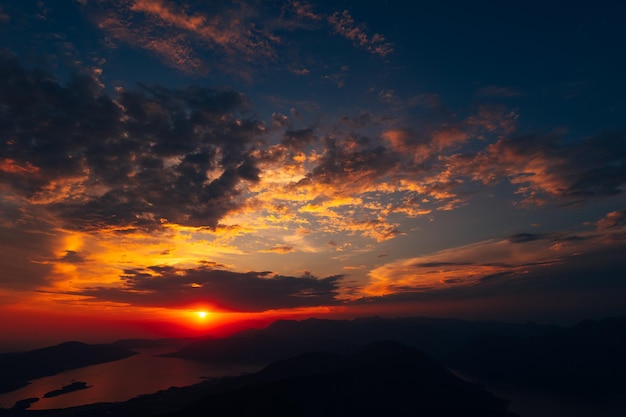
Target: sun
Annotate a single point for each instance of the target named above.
(202, 314)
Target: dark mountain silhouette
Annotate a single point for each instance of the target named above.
(385, 378)
(283, 338)
(587, 359)
(17, 368)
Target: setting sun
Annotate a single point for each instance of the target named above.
(202, 314)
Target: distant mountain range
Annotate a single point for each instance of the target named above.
(283, 338)
(167, 343)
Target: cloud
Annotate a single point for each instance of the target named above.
(150, 158)
(196, 37)
(164, 286)
(357, 174)
(613, 220)
(544, 167)
(179, 34)
(139, 159)
(493, 261)
(343, 23)
(73, 257)
(589, 283)
(280, 249)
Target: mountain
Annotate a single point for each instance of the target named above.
(437, 337)
(20, 367)
(384, 378)
(587, 359)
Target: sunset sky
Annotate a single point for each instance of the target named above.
(266, 159)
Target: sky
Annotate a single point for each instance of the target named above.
(257, 160)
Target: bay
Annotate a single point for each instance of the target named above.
(122, 380)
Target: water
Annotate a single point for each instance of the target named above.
(121, 380)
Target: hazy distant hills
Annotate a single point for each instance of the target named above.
(169, 343)
(283, 338)
(20, 367)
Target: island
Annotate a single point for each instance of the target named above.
(74, 386)
(24, 404)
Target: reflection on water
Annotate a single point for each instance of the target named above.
(121, 380)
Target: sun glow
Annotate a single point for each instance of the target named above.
(202, 314)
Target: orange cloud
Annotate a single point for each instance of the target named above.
(343, 23)
(13, 167)
(504, 259)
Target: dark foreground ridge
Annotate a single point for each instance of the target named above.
(20, 367)
(383, 378)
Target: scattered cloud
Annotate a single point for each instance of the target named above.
(226, 29)
(137, 160)
(343, 23)
(543, 167)
(190, 36)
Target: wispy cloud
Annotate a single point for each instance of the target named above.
(517, 257)
(190, 36)
(343, 23)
